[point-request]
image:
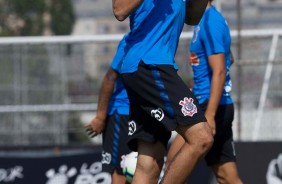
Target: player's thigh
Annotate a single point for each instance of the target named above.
(150, 154)
(195, 133)
(223, 149)
(114, 137)
(175, 146)
(163, 95)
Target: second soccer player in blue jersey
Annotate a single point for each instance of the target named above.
(211, 60)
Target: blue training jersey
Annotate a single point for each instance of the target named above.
(155, 27)
(119, 100)
(211, 36)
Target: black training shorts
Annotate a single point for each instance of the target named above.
(159, 102)
(115, 138)
(223, 149)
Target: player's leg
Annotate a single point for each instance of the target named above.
(226, 173)
(149, 163)
(118, 178)
(147, 135)
(178, 142)
(114, 136)
(221, 157)
(186, 117)
(121, 135)
(167, 104)
(198, 140)
(149, 138)
(175, 146)
(107, 146)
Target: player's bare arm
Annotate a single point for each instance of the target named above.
(217, 65)
(123, 8)
(105, 93)
(96, 125)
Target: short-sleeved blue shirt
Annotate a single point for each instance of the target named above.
(119, 101)
(211, 36)
(155, 27)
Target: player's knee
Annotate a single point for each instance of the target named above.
(206, 140)
(206, 144)
(151, 172)
(200, 137)
(151, 168)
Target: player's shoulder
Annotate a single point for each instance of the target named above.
(214, 17)
(213, 14)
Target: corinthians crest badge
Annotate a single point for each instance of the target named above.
(188, 107)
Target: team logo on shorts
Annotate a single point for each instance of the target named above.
(188, 107)
(131, 127)
(106, 158)
(158, 114)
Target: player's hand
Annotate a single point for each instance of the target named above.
(211, 122)
(95, 127)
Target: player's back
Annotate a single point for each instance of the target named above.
(155, 29)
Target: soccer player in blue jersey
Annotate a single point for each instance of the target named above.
(112, 119)
(159, 100)
(211, 60)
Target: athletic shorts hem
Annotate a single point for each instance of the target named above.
(133, 143)
(222, 161)
(192, 122)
